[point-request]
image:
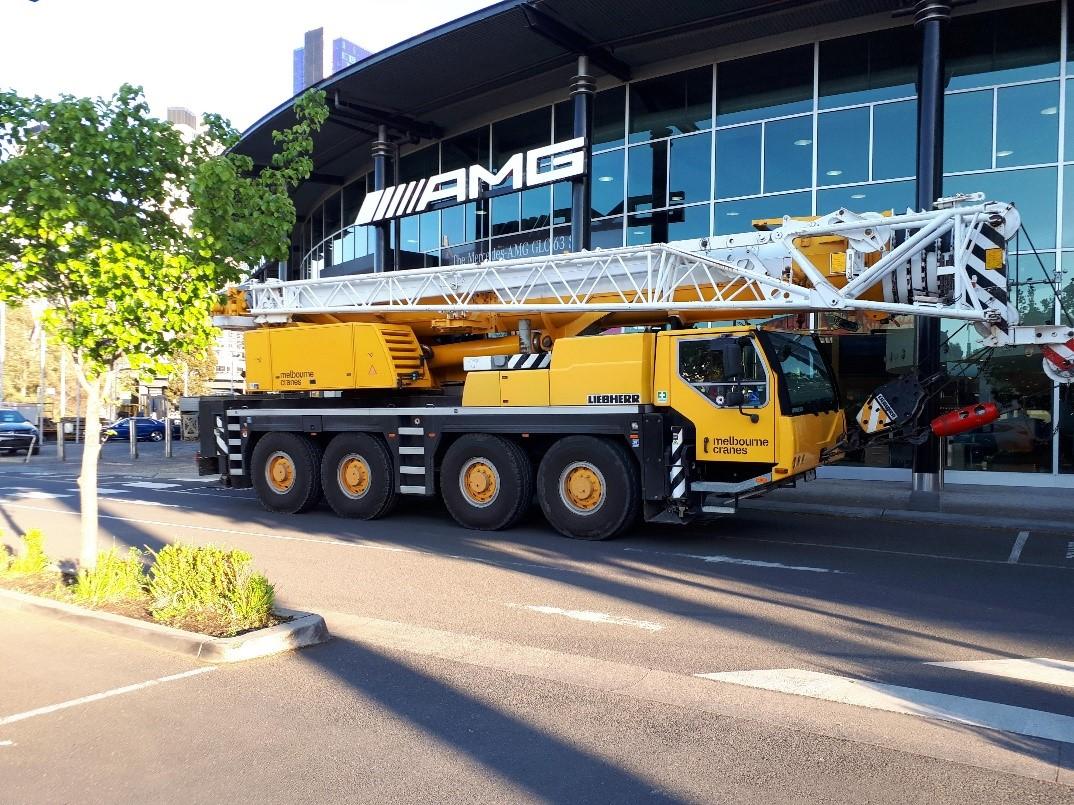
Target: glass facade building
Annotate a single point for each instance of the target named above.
(799, 131)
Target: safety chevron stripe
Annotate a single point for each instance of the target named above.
(534, 360)
(677, 472)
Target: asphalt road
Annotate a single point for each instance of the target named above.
(522, 666)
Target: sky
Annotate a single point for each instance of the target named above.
(232, 57)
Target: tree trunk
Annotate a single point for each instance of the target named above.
(87, 479)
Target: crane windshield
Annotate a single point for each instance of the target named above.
(806, 374)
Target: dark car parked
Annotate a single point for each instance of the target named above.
(17, 432)
(146, 429)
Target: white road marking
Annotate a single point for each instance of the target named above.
(1016, 549)
(7, 743)
(909, 701)
(148, 485)
(591, 617)
(106, 491)
(733, 560)
(1070, 550)
(1034, 669)
(52, 708)
(153, 503)
(37, 494)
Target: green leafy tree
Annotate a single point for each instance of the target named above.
(91, 199)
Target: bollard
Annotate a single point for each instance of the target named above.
(30, 449)
(60, 439)
(133, 428)
(167, 435)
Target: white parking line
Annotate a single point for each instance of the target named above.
(148, 485)
(52, 708)
(734, 560)
(1016, 549)
(37, 494)
(1033, 669)
(591, 617)
(909, 701)
(7, 743)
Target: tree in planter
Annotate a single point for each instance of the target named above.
(92, 194)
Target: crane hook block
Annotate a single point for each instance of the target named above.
(967, 418)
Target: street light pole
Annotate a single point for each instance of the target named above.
(930, 18)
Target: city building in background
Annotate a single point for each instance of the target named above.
(704, 125)
(314, 62)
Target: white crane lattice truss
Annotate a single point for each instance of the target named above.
(941, 263)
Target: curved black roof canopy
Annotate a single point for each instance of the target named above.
(514, 50)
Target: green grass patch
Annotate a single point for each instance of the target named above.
(31, 560)
(116, 578)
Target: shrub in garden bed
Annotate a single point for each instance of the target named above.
(204, 589)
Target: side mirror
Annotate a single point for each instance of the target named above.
(734, 399)
(732, 359)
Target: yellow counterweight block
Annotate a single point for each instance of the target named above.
(334, 357)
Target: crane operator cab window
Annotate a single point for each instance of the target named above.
(726, 370)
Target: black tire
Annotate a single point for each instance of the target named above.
(619, 503)
(511, 472)
(156, 436)
(379, 496)
(304, 456)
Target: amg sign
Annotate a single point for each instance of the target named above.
(549, 163)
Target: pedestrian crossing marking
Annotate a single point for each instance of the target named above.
(907, 701)
(1035, 669)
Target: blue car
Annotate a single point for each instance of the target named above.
(17, 433)
(146, 429)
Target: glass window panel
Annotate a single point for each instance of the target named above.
(967, 140)
(513, 247)
(476, 220)
(895, 196)
(868, 67)
(646, 228)
(453, 225)
(1033, 282)
(1068, 138)
(691, 169)
(894, 140)
(673, 104)
(608, 233)
(843, 150)
(788, 154)
(686, 223)
(738, 216)
(647, 177)
(471, 148)
(738, 161)
(607, 183)
(1068, 207)
(1015, 44)
(410, 233)
(429, 226)
(520, 133)
(348, 245)
(353, 196)
(505, 214)
(768, 85)
(1027, 124)
(1032, 190)
(536, 208)
(332, 215)
(317, 227)
(609, 119)
(561, 203)
(419, 164)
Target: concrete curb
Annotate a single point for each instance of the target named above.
(910, 516)
(305, 629)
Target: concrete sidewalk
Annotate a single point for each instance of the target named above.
(1019, 507)
(115, 461)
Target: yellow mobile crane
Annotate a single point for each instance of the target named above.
(490, 383)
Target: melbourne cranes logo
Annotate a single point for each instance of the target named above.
(550, 163)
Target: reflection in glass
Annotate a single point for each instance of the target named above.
(647, 177)
(868, 67)
(561, 203)
(894, 139)
(410, 233)
(609, 123)
(788, 154)
(1033, 281)
(1032, 190)
(967, 136)
(471, 148)
(429, 227)
(505, 212)
(607, 233)
(738, 161)
(768, 85)
(453, 225)
(1015, 44)
(1027, 124)
(607, 183)
(691, 169)
(881, 197)
(353, 195)
(520, 133)
(738, 216)
(664, 226)
(673, 104)
(419, 164)
(536, 208)
(843, 148)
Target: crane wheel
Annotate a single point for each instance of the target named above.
(589, 488)
(486, 482)
(358, 476)
(285, 471)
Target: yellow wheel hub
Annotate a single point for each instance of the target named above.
(354, 476)
(479, 482)
(583, 488)
(280, 472)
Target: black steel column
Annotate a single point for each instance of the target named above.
(381, 149)
(930, 18)
(582, 89)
